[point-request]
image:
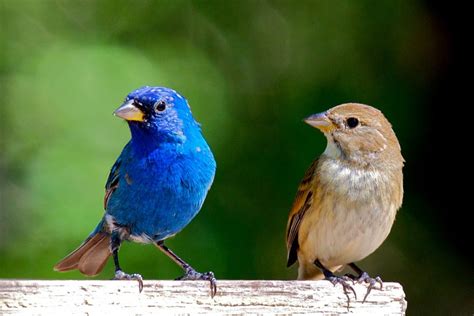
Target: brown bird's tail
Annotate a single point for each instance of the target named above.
(90, 257)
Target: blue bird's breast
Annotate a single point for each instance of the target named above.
(160, 193)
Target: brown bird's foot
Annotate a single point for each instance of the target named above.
(349, 278)
(191, 274)
(120, 275)
(365, 278)
(334, 279)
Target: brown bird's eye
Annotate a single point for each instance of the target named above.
(160, 106)
(352, 122)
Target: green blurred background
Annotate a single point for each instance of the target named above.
(251, 71)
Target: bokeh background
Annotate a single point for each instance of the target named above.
(251, 71)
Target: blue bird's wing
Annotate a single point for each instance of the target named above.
(114, 175)
(92, 255)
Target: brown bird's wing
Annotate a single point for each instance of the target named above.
(299, 208)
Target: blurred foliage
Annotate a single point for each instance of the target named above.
(251, 71)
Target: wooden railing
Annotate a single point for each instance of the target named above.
(33, 297)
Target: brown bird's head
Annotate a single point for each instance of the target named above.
(359, 134)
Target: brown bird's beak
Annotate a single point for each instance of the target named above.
(128, 111)
(321, 121)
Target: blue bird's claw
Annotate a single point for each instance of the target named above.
(193, 275)
(120, 275)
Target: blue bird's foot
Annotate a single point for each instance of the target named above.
(193, 275)
(189, 272)
(120, 275)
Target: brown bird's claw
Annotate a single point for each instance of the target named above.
(349, 278)
(365, 278)
(193, 275)
(334, 279)
(345, 285)
(120, 275)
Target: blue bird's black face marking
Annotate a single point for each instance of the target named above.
(158, 109)
(152, 101)
(155, 101)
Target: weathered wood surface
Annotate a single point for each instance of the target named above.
(33, 297)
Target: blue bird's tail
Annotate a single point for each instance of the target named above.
(90, 257)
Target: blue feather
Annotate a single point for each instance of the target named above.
(165, 171)
(158, 183)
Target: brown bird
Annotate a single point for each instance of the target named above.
(347, 201)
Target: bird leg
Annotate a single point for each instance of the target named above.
(334, 279)
(189, 272)
(119, 274)
(363, 277)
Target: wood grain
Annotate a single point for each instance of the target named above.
(38, 297)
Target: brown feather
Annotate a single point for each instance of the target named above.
(108, 193)
(95, 259)
(90, 257)
(300, 205)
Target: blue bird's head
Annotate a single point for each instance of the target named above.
(158, 112)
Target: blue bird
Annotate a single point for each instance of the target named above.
(155, 188)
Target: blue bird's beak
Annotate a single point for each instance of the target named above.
(321, 121)
(128, 111)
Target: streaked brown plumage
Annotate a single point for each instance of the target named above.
(347, 201)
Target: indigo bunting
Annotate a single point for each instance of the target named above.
(347, 201)
(156, 186)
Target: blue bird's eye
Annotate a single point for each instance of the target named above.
(160, 106)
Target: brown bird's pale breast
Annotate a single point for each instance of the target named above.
(351, 213)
